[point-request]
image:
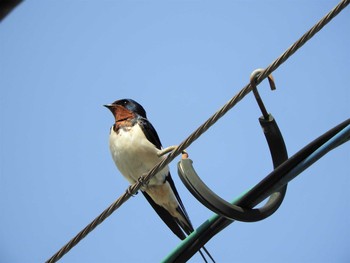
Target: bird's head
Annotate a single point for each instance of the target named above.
(125, 109)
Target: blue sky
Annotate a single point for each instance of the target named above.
(182, 60)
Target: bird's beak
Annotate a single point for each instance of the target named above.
(109, 106)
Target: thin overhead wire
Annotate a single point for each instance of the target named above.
(132, 189)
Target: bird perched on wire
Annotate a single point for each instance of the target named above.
(136, 149)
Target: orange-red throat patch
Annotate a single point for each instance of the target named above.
(121, 113)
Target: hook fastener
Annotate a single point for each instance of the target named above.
(255, 74)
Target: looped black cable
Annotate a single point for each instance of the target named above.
(278, 177)
(218, 205)
(233, 212)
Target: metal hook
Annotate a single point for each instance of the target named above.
(253, 78)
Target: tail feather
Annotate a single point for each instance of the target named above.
(166, 217)
(188, 229)
(186, 226)
(180, 225)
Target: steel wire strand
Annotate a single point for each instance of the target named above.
(132, 189)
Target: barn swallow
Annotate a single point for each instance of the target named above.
(135, 148)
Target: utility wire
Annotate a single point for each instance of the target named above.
(132, 189)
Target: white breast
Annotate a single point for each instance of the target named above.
(134, 155)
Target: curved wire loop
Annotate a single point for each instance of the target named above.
(218, 205)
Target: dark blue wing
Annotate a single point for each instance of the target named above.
(149, 132)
